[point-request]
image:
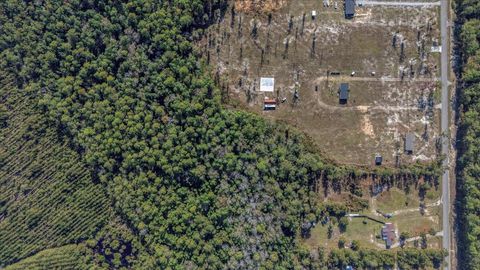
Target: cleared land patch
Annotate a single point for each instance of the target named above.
(393, 89)
(407, 214)
(361, 229)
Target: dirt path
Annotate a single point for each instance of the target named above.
(344, 78)
(402, 211)
(398, 3)
(397, 244)
(365, 108)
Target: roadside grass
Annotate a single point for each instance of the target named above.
(432, 242)
(432, 195)
(414, 223)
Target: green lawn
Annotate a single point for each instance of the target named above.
(396, 199)
(415, 223)
(432, 195)
(356, 230)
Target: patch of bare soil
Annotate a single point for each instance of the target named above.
(259, 5)
(367, 126)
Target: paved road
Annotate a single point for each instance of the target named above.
(445, 128)
(398, 3)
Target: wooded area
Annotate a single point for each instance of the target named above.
(468, 165)
(194, 185)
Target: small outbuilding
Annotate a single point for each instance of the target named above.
(409, 143)
(269, 104)
(349, 9)
(343, 93)
(378, 160)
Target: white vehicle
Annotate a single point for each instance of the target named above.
(352, 74)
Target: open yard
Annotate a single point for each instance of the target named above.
(366, 231)
(415, 223)
(410, 214)
(394, 200)
(394, 89)
(398, 200)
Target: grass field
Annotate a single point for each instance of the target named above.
(367, 233)
(394, 199)
(416, 223)
(407, 217)
(407, 212)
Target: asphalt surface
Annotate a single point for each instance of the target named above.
(445, 128)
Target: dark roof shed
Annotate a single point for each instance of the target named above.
(344, 91)
(349, 8)
(409, 142)
(378, 160)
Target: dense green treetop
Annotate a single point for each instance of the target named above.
(200, 186)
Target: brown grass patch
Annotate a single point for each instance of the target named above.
(367, 126)
(259, 5)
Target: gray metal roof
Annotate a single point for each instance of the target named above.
(344, 91)
(349, 8)
(409, 142)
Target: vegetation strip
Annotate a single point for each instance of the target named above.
(468, 164)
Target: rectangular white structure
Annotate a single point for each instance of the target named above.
(436, 49)
(267, 84)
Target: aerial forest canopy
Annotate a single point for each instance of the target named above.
(197, 185)
(469, 142)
